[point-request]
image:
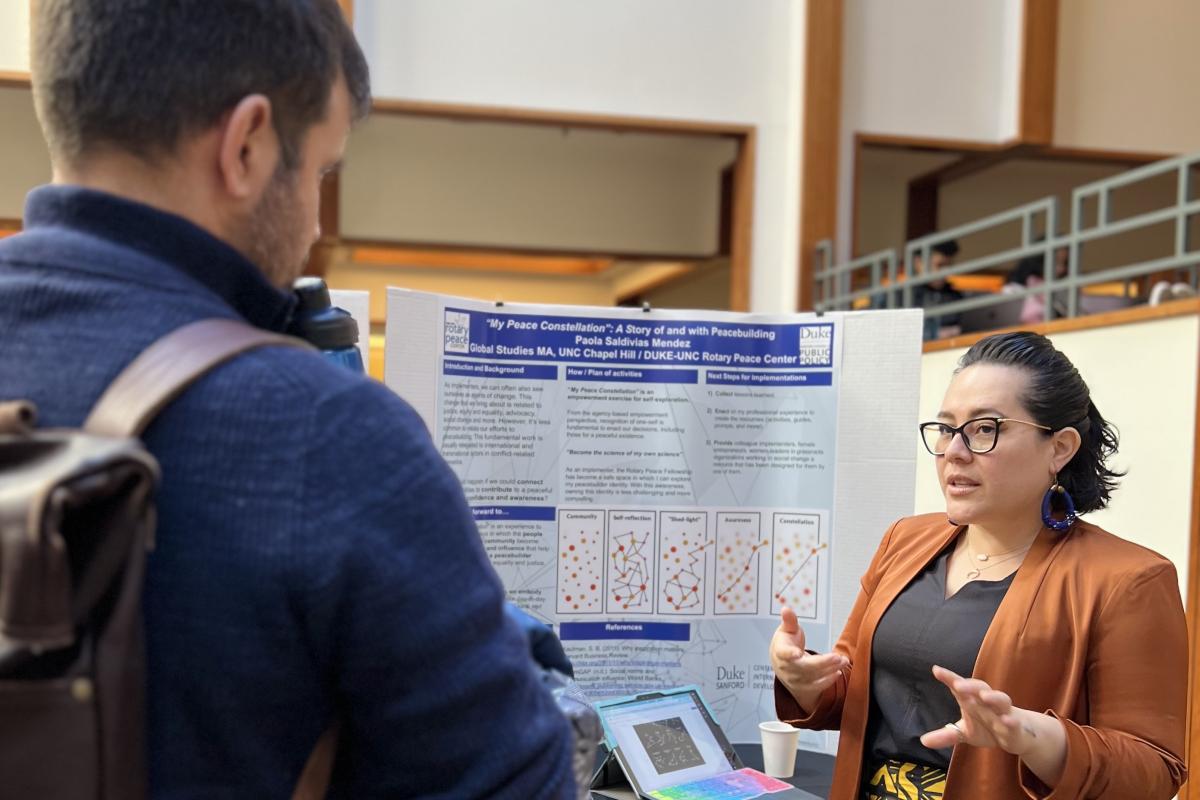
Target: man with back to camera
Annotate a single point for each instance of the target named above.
(315, 558)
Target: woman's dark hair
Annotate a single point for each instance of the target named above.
(1025, 269)
(1058, 398)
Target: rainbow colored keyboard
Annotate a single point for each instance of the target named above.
(741, 785)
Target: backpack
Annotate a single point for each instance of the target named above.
(77, 518)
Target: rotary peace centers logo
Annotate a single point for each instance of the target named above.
(458, 332)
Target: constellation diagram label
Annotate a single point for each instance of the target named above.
(630, 560)
(739, 554)
(580, 562)
(682, 562)
(795, 563)
(669, 745)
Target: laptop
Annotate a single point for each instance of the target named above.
(669, 746)
(1099, 303)
(989, 318)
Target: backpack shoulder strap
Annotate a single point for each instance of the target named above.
(170, 365)
(156, 377)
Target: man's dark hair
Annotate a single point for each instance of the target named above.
(948, 248)
(1058, 398)
(139, 75)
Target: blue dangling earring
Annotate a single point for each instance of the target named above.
(1069, 515)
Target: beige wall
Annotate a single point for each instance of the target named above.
(510, 185)
(883, 176)
(671, 285)
(883, 194)
(480, 285)
(1014, 183)
(942, 68)
(728, 61)
(707, 288)
(14, 36)
(24, 163)
(632, 279)
(1143, 380)
(1127, 75)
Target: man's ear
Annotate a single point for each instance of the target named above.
(249, 149)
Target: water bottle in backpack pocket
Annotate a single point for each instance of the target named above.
(325, 326)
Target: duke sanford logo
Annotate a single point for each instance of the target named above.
(458, 332)
(733, 677)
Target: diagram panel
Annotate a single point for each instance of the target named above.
(740, 546)
(683, 562)
(630, 560)
(797, 547)
(580, 562)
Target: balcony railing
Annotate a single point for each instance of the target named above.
(1039, 222)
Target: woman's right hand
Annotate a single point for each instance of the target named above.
(805, 675)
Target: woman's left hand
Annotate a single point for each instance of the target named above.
(989, 718)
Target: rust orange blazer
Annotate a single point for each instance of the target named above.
(1091, 630)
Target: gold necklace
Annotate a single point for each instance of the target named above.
(994, 559)
(989, 556)
(972, 574)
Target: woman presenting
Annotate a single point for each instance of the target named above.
(1004, 649)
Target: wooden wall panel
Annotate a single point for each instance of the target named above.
(1039, 63)
(822, 128)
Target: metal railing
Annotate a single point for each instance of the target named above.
(1039, 223)
(837, 280)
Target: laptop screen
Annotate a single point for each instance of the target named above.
(667, 739)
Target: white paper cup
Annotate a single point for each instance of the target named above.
(779, 742)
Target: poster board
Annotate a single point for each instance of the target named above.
(657, 484)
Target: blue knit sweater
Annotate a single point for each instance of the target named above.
(315, 556)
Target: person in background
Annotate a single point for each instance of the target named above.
(316, 560)
(1004, 648)
(1029, 273)
(936, 292)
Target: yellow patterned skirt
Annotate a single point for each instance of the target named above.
(901, 780)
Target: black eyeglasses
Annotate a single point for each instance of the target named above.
(979, 435)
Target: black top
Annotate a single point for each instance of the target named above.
(922, 628)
